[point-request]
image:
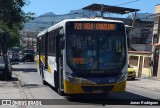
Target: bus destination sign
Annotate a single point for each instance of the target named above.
(94, 26)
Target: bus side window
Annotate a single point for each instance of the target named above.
(51, 43)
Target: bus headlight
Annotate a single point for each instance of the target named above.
(76, 80)
(85, 81)
(72, 78)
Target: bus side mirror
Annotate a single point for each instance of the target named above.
(62, 43)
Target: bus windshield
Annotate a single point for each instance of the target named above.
(95, 46)
(103, 51)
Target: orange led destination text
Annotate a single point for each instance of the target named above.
(101, 26)
(94, 26)
(78, 60)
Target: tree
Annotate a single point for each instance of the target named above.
(12, 18)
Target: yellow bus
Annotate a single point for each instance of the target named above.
(81, 56)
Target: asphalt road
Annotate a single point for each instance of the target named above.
(27, 84)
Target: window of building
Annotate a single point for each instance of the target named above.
(147, 62)
(144, 35)
(133, 60)
(155, 38)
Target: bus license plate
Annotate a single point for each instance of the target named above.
(97, 91)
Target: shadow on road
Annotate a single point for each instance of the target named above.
(14, 63)
(111, 99)
(25, 69)
(13, 79)
(133, 79)
(103, 99)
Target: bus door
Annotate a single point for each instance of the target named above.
(46, 51)
(59, 59)
(39, 52)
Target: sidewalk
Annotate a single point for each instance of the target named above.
(152, 83)
(11, 89)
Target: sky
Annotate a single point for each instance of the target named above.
(61, 7)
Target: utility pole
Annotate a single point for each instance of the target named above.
(132, 27)
(102, 7)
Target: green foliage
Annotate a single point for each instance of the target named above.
(12, 18)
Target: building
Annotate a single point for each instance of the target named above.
(140, 50)
(140, 61)
(28, 39)
(156, 42)
(142, 35)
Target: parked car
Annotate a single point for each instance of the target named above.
(131, 72)
(5, 67)
(28, 55)
(15, 56)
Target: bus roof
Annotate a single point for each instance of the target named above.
(81, 19)
(42, 32)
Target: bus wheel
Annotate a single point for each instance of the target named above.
(44, 82)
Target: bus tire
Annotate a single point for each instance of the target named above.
(44, 82)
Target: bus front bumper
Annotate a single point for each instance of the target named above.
(70, 88)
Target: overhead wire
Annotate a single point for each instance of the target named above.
(127, 2)
(90, 12)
